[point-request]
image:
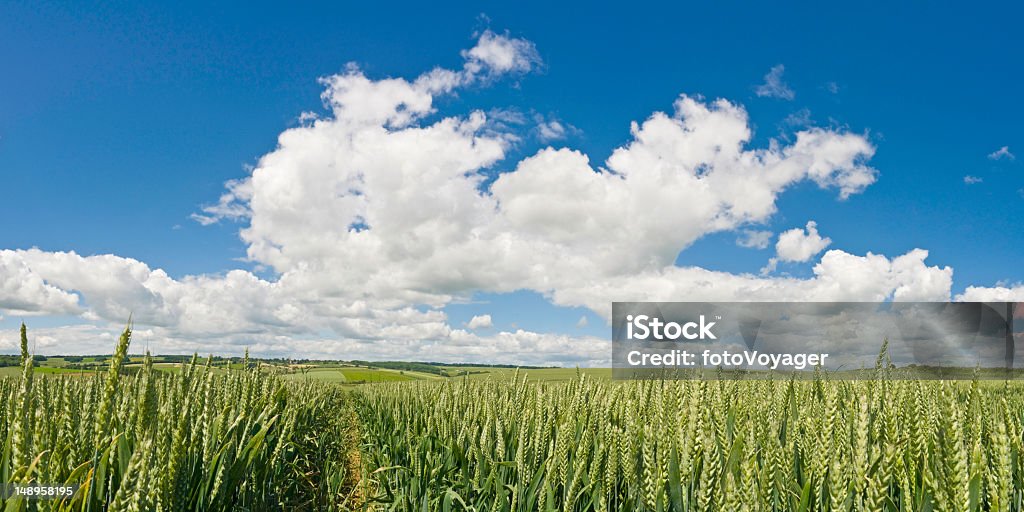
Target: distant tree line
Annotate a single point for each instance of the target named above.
(13, 360)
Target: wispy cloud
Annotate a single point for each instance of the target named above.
(550, 129)
(971, 180)
(801, 118)
(754, 239)
(1002, 153)
(774, 86)
(230, 206)
(498, 54)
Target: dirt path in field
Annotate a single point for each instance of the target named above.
(354, 463)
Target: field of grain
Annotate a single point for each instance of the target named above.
(495, 440)
(695, 445)
(349, 375)
(187, 440)
(483, 373)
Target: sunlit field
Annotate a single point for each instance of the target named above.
(191, 439)
(249, 436)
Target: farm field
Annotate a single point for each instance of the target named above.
(533, 374)
(353, 375)
(191, 439)
(544, 439)
(325, 371)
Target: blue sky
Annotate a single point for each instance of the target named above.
(120, 121)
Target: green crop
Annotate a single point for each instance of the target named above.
(695, 445)
(190, 440)
(199, 439)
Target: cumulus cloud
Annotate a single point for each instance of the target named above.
(68, 339)
(800, 245)
(971, 180)
(774, 86)
(500, 54)
(402, 211)
(505, 347)
(754, 239)
(999, 293)
(796, 245)
(480, 322)
(1002, 153)
(374, 216)
(838, 276)
(22, 291)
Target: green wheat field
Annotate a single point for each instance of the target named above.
(198, 435)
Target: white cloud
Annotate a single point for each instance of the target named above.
(431, 234)
(582, 322)
(551, 129)
(1000, 293)
(22, 291)
(372, 218)
(501, 54)
(754, 239)
(798, 245)
(1002, 153)
(838, 276)
(69, 339)
(771, 266)
(548, 131)
(801, 117)
(232, 204)
(480, 322)
(774, 86)
(505, 347)
(971, 180)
